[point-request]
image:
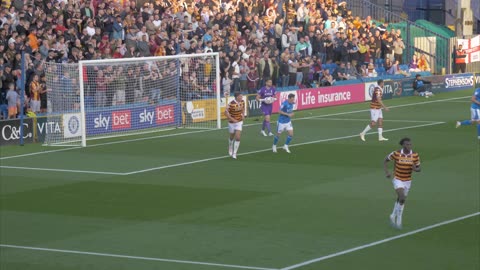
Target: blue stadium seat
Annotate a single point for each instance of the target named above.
(403, 67)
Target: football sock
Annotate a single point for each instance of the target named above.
(466, 123)
(366, 129)
(394, 212)
(478, 129)
(400, 212)
(287, 141)
(268, 126)
(236, 144)
(230, 144)
(275, 140)
(264, 124)
(380, 132)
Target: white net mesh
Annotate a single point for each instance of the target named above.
(131, 96)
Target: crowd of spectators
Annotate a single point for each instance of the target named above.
(291, 42)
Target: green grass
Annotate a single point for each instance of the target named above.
(263, 210)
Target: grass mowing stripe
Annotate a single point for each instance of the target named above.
(368, 120)
(134, 257)
(270, 149)
(216, 158)
(200, 131)
(295, 266)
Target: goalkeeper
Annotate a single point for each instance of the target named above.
(266, 95)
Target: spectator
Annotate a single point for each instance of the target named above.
(326, 79)
(423, 63)
(398, 47)
(460, 56)
(422, 87)
(413, 66)
(340, 73)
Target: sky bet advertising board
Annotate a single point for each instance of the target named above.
(130, 119)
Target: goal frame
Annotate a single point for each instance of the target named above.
(83, 63)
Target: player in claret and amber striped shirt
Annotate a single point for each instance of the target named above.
(235, 114)
(406, 161)
(376, 106)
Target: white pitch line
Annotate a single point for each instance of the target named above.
(134, 257)
(295, 266)
(270, 149)
(209, 130)
(459, 101)
(61, 170)
(216, 158)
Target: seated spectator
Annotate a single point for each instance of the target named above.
(423, 63)
(363, 71)
(340, 74)
(395, 69)
(422, 87)
(388, 66)
(371, 72)
(326, 79)
(351, 72)
(413, 66)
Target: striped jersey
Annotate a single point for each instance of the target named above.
(236, 109)
(376, 96)
(404, 163)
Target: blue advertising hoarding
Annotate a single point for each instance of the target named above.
(129, 119)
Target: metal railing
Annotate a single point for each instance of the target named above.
(418, 39)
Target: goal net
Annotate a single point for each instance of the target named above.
(118, 97)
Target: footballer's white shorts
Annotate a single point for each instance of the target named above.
(475, 114)
(232, 127)
(376, 114)
(281, 127)
(402, 184)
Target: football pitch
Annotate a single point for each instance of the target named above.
(175, 200)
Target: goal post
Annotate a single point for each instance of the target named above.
(118, 97)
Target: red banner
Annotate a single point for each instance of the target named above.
(323, 97)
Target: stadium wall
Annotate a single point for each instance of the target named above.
(117, 119)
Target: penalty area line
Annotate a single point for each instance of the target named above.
(134, 257)
(298, 265)
(270, 149)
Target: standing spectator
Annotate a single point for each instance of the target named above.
(283, 71)
(236, 74)
(398, 47)
(100, 95)
(388, 48)
(35, 90)
(13, 101)
(227, 83)
(118, 32)
(460, 57)
(265, 69)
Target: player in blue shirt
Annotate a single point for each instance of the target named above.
(285, 123)
(268, 91)
(475, 112)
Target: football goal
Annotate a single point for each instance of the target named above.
(129, 96)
